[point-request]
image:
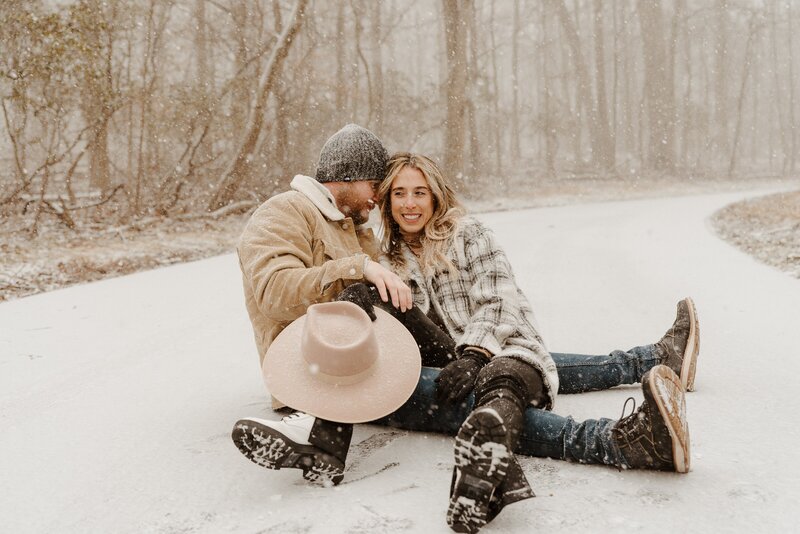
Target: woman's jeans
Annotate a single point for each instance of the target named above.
(544, 433)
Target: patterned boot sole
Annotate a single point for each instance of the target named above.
(689, 366)
(667, 394)
(481, 465)
(269, 448)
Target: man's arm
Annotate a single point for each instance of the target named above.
(276, 257)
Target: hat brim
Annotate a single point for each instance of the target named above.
(393, 379)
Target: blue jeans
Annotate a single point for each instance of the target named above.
(544, 433)
(578, 373)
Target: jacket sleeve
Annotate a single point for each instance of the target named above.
(495, 310)
(277, 261)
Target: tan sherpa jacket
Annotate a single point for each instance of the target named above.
(298, 249)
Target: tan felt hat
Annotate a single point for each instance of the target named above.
(336, 364)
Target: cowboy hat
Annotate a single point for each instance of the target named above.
(337, 364)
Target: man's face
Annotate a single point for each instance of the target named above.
(356, 199)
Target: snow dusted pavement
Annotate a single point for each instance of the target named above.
(117, 398)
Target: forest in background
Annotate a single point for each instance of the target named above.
(122, 110)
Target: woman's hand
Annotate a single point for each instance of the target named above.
(458, 378)
(389, 285)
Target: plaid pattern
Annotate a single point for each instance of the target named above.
(482, 305)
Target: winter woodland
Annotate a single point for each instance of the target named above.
(122, 110)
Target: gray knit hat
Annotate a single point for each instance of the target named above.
(353, 153)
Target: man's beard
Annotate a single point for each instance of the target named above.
(359, 216)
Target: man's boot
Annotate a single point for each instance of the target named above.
(679, 347)
(486, 476)
(301, 441)
(656, 436)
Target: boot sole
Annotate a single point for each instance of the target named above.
(481, 465)
(666, 390)
(689, 365)
(265, 446)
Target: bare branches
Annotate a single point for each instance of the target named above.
(237, 170)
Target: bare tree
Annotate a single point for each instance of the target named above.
(751, 35)
(658, 89)
(455, 90)
(599, 134)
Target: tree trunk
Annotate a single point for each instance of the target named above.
(281, 123)
(687, 95)
(548, 126)
(341, 60)
(720, 144)
(241, 91)
(742, 92)
(377, 68)
(792, 123)
(777, 91)
(496, 125)
(659, 95)
(475, 153)
(515, 111)
(203, 81)
(97, 94)
(599, 136)
(606, 144)
(455, 88)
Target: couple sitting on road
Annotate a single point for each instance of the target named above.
(427, 330)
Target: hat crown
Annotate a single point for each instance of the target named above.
(351, 154)
(338, 342)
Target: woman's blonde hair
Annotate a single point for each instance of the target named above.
(438, 232)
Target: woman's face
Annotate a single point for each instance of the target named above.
(411, 201)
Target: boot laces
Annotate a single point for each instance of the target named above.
(633, 423)
(625, 406)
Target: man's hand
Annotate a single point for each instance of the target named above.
(458, 378)
(389, 285)
(359, 294)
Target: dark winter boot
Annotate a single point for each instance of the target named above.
(679, 347)
(656, 436)
(301, 441)
(486, 476)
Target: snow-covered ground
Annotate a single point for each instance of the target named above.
(117, 397)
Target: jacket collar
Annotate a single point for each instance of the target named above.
(319, 195)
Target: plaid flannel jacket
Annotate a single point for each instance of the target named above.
(482, 305)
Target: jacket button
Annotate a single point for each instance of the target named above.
(344, 226)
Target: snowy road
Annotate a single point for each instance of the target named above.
(117, 397)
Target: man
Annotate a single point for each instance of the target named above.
(304, 247)
(308, 246)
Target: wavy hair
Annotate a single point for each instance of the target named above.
(439, 230)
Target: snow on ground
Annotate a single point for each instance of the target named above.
(117, 397)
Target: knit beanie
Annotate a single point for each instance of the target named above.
(353, 153)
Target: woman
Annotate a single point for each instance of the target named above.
(479, 326)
